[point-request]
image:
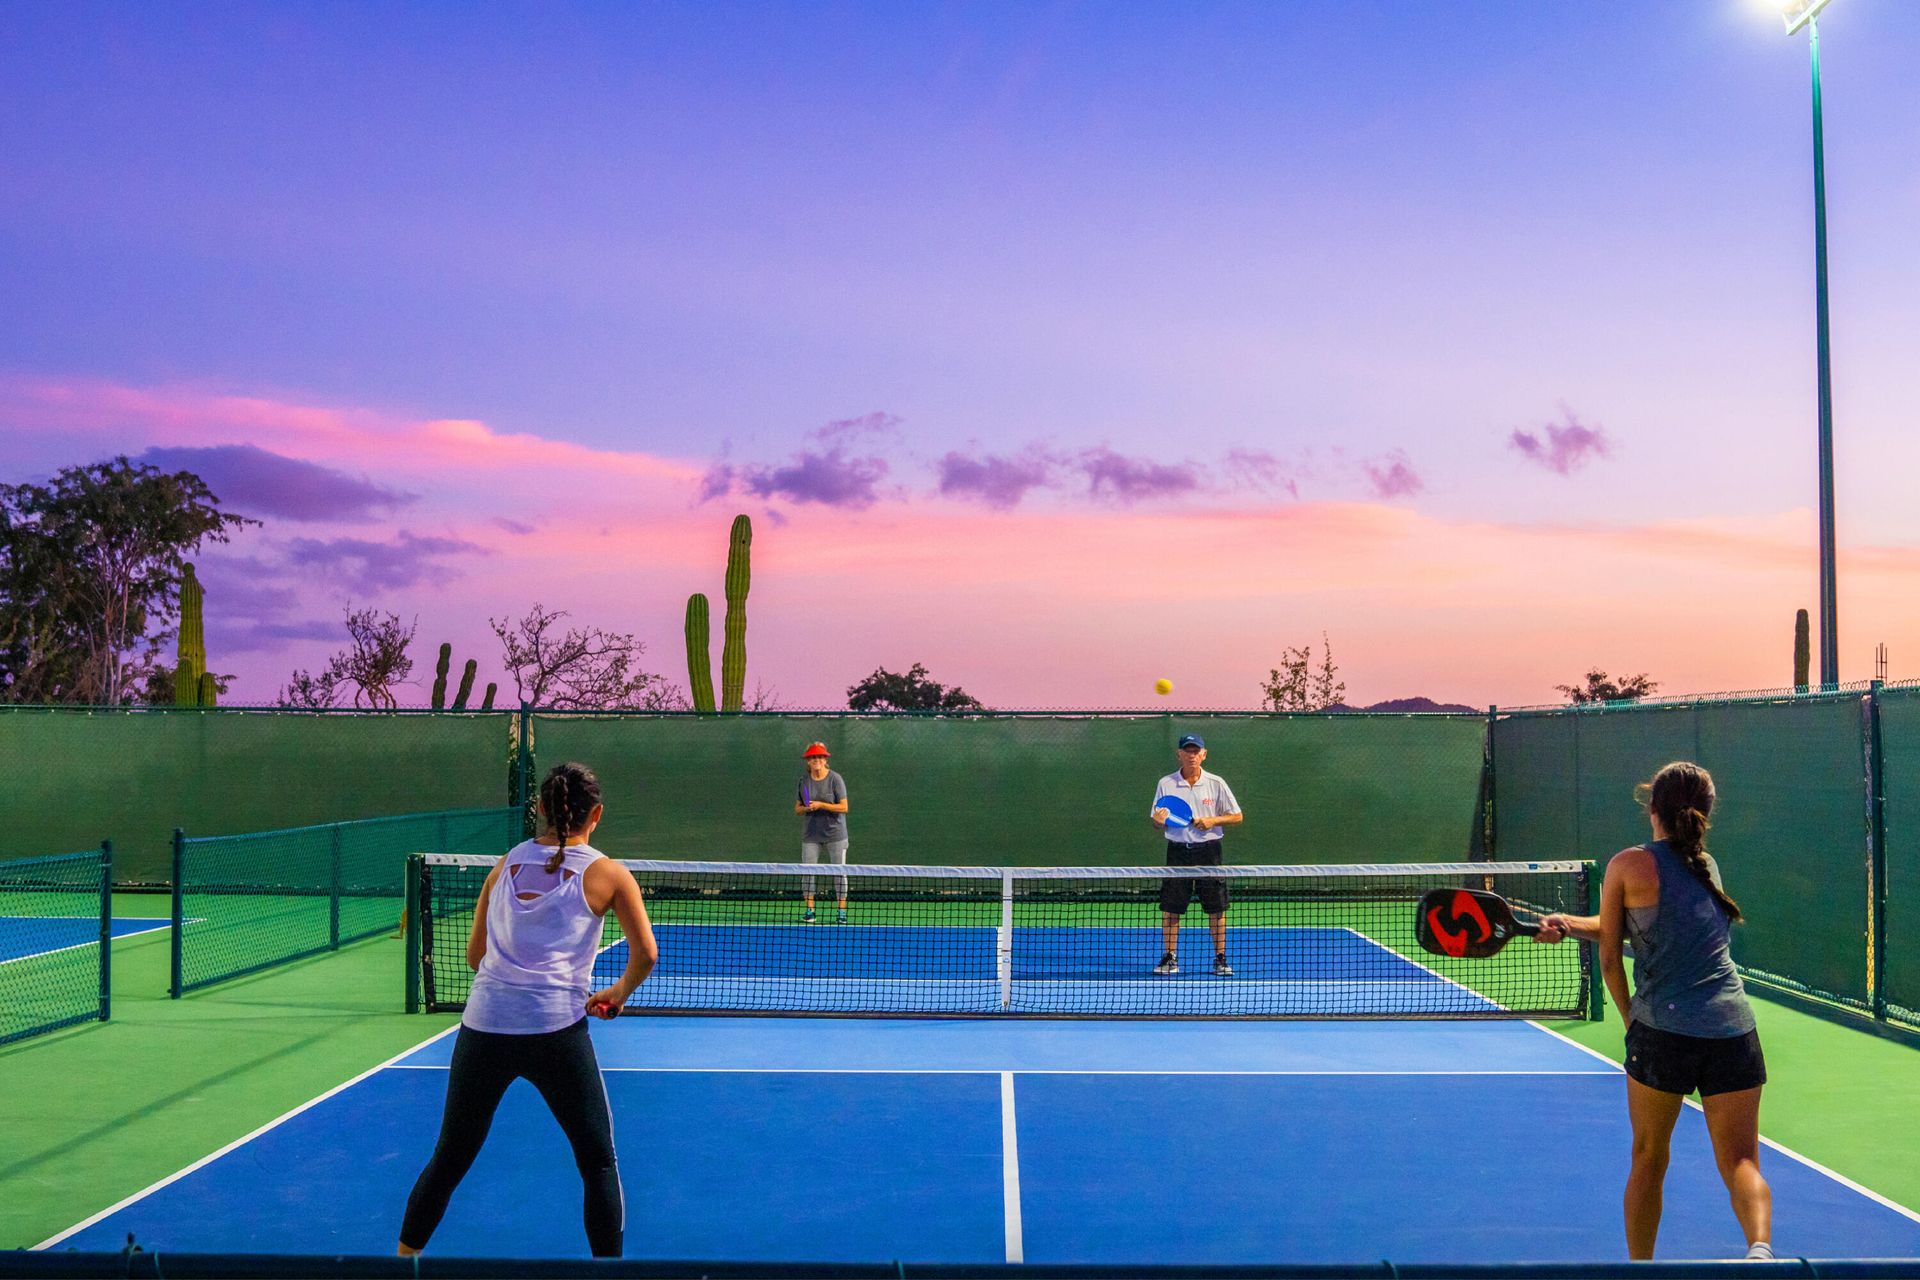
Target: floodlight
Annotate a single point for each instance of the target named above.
(1798, 13)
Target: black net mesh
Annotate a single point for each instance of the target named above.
(246, 902)
(53, 912)
(1302, 942)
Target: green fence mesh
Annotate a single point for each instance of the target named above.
(1900, 747)
(1790, 827)
(136, 775)
(244, 903)
(53, 924)
(1028, 790)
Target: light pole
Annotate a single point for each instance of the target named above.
(1798, 14)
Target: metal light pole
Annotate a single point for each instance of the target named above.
(1798, 14)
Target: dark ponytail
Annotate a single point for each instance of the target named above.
(568, 794)
(1681, 796)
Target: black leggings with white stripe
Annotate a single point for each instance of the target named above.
(561, 1065)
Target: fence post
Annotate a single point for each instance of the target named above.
(333, 895)
(106, 929)
(1596, 981)
(1876, 857)
(523, 770)
(1489, 815)
(411, 933)
(179, 906)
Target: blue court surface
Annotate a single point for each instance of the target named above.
(23, 936)
(983, 1141)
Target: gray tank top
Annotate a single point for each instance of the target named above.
(1683, 975)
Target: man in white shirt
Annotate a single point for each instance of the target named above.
(1210, 800)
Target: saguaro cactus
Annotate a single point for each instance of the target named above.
(190, 653)
(209, 692)
(440, 677)
(466, 685)
(699, 661)
(1802, 650)
(733, 650)
(492, 688)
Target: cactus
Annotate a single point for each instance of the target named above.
(440, 677)
(191, 650)
(209, 692)
(1802, 655)
(699, 664)
(466, 685)
(733, 650)
(492, 689)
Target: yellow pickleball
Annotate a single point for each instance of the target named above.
(1163, 687)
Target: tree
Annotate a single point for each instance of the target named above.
(374, 664)
(90, 567)
(1298, 686)
(886, 690)
(1601, 688)
(580, 668)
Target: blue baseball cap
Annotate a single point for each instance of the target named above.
(1192, 740)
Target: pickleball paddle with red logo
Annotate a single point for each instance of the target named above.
(1468, 923)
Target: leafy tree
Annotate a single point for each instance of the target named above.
(886, 690)
(372, 666)
(1602, 688)
(1298, 685)
(90, 567)
(580, 668)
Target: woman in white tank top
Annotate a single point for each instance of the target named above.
(536, 933)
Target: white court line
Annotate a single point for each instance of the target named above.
(1023, 1071)
(1010, 1170)
(1781, 1147)
(203, 1161)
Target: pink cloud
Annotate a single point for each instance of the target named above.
(1391, 477)
(1568, 446)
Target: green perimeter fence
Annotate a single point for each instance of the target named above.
(56, 918)
(244, 903)
(1817, 827)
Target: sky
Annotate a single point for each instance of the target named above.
(1058, 347)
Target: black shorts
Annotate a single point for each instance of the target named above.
(1673, 1063)
(1175, 895)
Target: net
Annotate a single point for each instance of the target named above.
(1303, 942)
(244, 903)
(54, 920)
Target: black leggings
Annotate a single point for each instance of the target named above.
(561, 1065)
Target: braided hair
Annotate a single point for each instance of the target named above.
(1681, 796)
(568, 794)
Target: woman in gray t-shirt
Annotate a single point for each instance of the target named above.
(1689, 1026)
(823, 804)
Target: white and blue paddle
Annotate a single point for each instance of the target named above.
(1179, 812)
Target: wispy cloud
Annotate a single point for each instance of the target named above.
(1392, 477)
(1567, 445)
(258, 482)
(1260, 471)
(878, 423)
(995, 481)
(364, 565)
(1114, 477)
(518, 528)
(831, 476)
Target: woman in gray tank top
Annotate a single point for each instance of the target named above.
(1689, 1026)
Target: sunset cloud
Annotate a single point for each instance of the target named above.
(1113, 477)
(365, 566)
(251, 480)
(1567, 446)
(995, 481)
(1391, 477)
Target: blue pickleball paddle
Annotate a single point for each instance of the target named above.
(1179, 812)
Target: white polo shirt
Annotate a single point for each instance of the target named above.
(1208, 796)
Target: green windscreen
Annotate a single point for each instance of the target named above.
(1900, 746)
(1789, 828)
(136, 775)
(1028, 790)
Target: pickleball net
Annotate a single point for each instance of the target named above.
(1303, 942)
(54, 921)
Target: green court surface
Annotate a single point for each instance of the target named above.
(96, 1113)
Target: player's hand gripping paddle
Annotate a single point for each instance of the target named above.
(1179, 812)
(1468, 923)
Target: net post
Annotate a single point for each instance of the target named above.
(106, 929)
(179, 907)
(410, 932)
(1004, 948)
(333, 888)
(1877, 857)
(1590, 951)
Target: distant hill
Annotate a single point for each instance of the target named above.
(1407, 704)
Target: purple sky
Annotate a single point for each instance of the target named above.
(993, 316)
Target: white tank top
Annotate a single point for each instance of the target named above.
(538, 970)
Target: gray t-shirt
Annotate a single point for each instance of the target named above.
(824, 827)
